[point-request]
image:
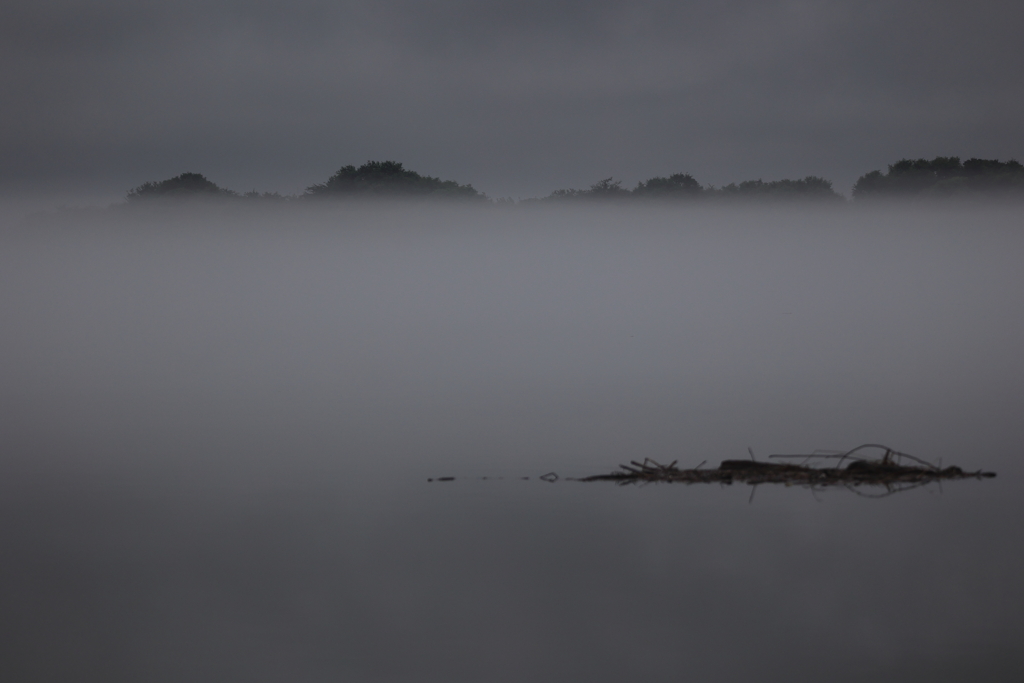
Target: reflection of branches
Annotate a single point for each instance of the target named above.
(890, 489)
(891, 456)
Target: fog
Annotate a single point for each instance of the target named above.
(219, 423)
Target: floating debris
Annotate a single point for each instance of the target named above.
(891, 471)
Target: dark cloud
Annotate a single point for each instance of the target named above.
(517, 98)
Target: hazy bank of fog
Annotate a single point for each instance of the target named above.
(218, 425)
(404, 301)
(329, 310)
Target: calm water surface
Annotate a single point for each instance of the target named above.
(218, 429)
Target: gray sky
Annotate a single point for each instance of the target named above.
(517, 98)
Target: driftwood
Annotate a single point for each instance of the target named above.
(891, 471)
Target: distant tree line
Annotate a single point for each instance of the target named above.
(940, 177)
(372, 179)
(685, 186)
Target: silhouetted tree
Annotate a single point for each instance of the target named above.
(685, 186)
(266, 196)
(942, 176)
(607, 188)
(184, 185)
(387, 178)
(564, 194)
(811, 187)
(676, 186)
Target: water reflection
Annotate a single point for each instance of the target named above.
(218, 433)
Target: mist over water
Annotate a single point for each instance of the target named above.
(218, 425)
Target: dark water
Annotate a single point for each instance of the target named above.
(218, 429)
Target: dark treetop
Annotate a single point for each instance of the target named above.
(184, 185)
(388, 178)
(942, 177)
